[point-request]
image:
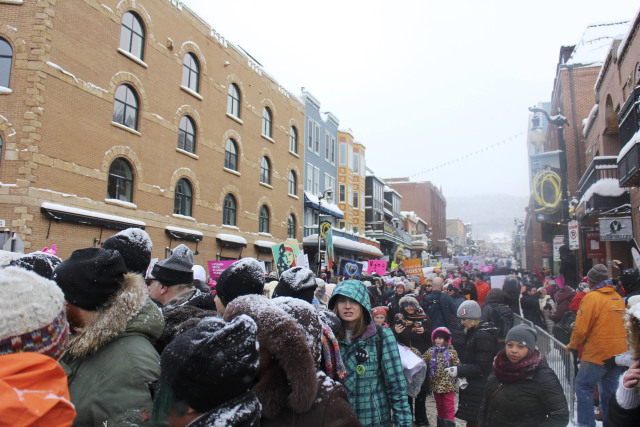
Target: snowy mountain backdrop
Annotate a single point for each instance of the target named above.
(491, 215)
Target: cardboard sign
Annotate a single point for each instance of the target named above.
(217, 267)
(378, 266)
(413, 267)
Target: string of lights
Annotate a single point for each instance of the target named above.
(474, 153)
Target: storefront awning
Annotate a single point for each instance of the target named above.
(58, 212)
(346, 244)
(179, 233)
(264, 245)
(231, 240)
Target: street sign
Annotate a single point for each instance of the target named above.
(574, 235)
(557, 242)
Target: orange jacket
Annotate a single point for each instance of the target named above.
(483, 289)
(33, 392)
(600, 326)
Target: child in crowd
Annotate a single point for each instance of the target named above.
(439, 357)
(380, 316)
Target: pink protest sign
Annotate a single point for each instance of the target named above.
(378, 266)
(217, 267)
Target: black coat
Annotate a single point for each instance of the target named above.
(531, 309)
(476, 366)
(457, 330)
(619, 417)
(511, 291)
(535, 400)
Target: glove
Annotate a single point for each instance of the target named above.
(453, 371)
(610, 363)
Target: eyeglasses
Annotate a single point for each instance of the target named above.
(149, 281)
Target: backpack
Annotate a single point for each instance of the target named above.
(563, 329)
(502, 319)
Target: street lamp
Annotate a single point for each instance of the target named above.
(326, 193)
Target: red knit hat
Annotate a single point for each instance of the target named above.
(379, 311)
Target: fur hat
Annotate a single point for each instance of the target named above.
(380, 311)
(598, 274)
(292, 380)
(134, 244)
(523, 334)
(89, 277)
(175, 270)
(409, 300)
(41, 263)
(243, 277)
(307, 319)
(297, 282)
(469, 310)
(32, 316)
(212, 362)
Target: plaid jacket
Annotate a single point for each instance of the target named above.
(382, 386)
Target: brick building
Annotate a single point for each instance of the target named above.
(138, 113)
(429, 204)
(351, 182)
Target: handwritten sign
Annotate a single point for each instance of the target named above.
(378, 266)
(217, 267)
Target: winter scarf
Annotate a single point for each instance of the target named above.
(509, 372)
(333, 365)
(434, 358)
(602, 285)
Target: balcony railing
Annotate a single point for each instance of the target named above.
(599, 168)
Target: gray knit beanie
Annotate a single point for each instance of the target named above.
(175, 270)
(598, 274)
(524, 335)
(469, 310)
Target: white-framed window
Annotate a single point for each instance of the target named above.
(356, 199)
(316, 180)
(355, 229)
(330, 183)
(332, 154)
(327, 146)
(342, 224)
(343, 194)
(310, 129)
(316, 139)
(293, 183)
(343, 154)
(293, 140)
(356, 163)
(362, 166)
(309, 181)
(350, 195)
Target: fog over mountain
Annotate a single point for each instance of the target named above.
(490, 215)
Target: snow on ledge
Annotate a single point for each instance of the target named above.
(606, 187)
(343, 242)
(629, 145)
(328, 206)
(231, 238)
(92, 214)
(183, 230)
(264, 243)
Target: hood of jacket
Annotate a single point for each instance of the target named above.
(357, 291)
(565, 294)
(130, 311)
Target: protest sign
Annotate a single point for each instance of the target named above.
(378, 266)
(217, 267)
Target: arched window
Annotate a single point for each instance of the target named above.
(191, 72)
(120, 184)
(264, 219)
(291, 227)
(293, 183)
(265, 171)
(229, 210)
(266, 122)
(187, 135)
(183, 200)
(231, 155)
(132, 35)
(293, 139)
(233, 100)
(6, 57)
(125, 107)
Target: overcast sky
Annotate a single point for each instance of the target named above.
(420, 83)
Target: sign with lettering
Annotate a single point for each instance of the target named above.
(217, 267)
(378, 266)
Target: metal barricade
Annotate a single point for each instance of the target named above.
(561, 363)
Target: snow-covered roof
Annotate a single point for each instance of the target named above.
(183, 230)
(606, 187)
(92, 214)
(587, 122)
(231, 238)
(629, 145)
(594, 46)
(345, 243)
(332, 207)
(264, 243)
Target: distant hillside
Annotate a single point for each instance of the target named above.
(488, 214)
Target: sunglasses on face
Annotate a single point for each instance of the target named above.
(149, 281)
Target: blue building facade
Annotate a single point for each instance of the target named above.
(320, 165)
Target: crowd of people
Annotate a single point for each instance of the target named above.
(104, 339)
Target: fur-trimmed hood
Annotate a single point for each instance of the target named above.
(129, 311)
(289, 383)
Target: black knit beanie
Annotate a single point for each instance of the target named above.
(175, 270)
(243, 277)
(296, 282)
(40, 263)
(89, 277)
(135, 247)
(213, 362)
